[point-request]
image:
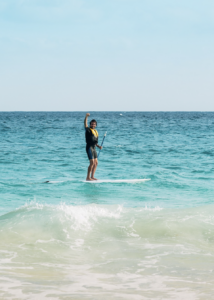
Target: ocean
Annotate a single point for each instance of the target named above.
(70, 239)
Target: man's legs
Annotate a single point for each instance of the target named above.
(94, 167)
(90, 168)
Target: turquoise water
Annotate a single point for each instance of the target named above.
(68, 239)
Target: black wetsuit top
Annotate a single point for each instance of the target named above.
(91, 142)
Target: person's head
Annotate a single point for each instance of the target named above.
(93, 124)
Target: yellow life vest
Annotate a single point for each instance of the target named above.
(94, 131)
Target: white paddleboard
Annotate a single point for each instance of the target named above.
(117, 180)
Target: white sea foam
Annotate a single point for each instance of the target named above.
(107, 251)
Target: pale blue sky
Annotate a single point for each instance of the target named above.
(142, 55)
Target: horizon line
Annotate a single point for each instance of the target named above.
(107, 110)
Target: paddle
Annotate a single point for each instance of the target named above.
(102, 143)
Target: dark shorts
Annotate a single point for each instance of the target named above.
(91, 152)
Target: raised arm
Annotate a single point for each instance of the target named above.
(86, 119)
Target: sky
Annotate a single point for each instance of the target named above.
(110, 55)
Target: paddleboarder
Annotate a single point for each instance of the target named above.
(91, 136)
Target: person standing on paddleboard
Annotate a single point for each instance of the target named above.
(91, 136)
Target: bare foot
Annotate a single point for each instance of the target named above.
(89, 179)
(93, 178)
